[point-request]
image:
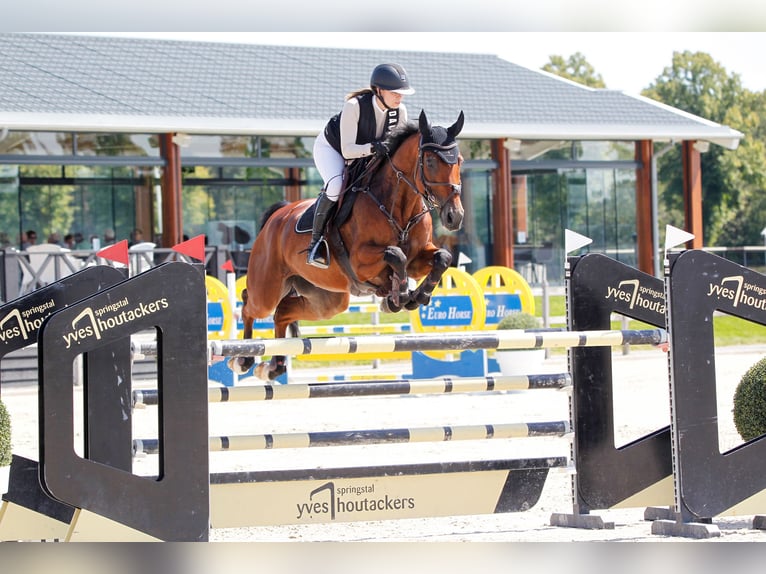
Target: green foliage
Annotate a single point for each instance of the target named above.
(518, 320)
(575, 68)
(750, 402)
(733, 183)
(5, 436)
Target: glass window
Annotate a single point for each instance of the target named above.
(475, 149)
(473, 240)
(215, 146)
(248, 147)
(228, 214)
(36, 143)
(604, 150)
(9, 210)
(287, 146)
(112, 145)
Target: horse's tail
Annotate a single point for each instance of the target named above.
(270, 211)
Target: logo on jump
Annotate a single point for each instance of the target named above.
(636, 296)
(23, 323)
(736, 290)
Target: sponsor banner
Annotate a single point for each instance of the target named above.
(355, 499)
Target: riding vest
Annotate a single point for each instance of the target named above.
(366, 128)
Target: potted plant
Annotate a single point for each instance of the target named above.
(5, 446)
(750, 402)
(519, 361)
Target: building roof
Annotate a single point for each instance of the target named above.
(51, 82)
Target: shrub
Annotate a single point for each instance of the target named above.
(5, 436)
(750, 402)
(518, 320)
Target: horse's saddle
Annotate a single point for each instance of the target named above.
(356, 178)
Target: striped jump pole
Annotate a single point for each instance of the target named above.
(375, 436)
(457, 341)
(442, 385)
(356, 329)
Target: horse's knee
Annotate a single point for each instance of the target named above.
(442, 260)
(395, 257)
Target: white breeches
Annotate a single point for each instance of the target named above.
(330, 165)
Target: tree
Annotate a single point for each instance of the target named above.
(732, 180)
(576, 68)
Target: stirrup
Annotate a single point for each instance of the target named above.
(316, 259)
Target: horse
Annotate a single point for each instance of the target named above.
(384, 240)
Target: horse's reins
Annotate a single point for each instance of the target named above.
(427, 196)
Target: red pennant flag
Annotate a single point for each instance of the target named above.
(194, 248)
(117, 252)
(228, 266)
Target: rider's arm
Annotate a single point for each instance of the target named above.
(349, 124)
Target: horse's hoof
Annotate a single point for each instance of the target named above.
(423, 299)
(387, 306)
(238, 365)
(412, 305)
(262, 372)
(278, 372)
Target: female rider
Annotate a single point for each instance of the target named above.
(357, 131)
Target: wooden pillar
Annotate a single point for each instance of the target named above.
(502, 207)
(520, 207)
(647, 250)
(293, 189)
(692, 193)
(172, 220)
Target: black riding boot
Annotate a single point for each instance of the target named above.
(319, 255)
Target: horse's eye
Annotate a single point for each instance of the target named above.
(431, 162)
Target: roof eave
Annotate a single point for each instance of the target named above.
(158, 124)
(713, 133)
(719, 135)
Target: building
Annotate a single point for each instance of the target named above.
(181, 138)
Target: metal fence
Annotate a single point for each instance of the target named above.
(23, 271)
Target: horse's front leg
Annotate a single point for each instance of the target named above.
(438, 261)
(399, 296)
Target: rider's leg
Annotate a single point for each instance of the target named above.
(330, 165)
(318, 256)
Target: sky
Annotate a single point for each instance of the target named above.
(628, 61)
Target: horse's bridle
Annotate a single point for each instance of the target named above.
(447, 153)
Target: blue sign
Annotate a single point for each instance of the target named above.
(447, 311)
(499, 305)
(214, 317)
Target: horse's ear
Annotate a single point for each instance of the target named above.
(457, 127)
(425, 127)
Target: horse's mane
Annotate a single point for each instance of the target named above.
(397, 136)
(270, 211)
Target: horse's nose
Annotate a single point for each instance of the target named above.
(452, 216)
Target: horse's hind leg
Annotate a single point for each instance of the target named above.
(277, 366)
(241, 365)
(312, 304)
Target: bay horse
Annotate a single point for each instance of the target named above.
(384, 241)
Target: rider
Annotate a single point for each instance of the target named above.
(357, 131)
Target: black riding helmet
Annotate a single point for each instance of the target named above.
(391, 77)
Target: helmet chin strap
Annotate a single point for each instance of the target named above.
(380, 98)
